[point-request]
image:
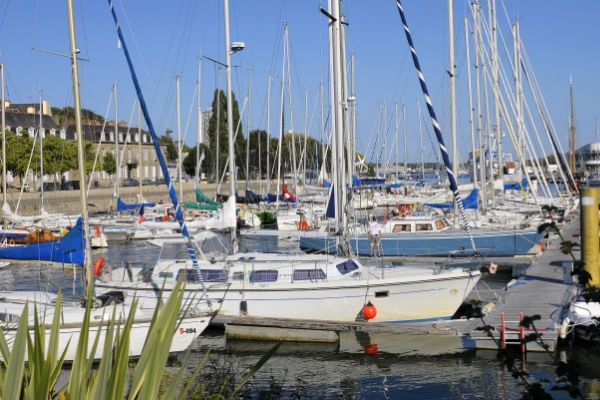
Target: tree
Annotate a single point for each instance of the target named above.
(17, 158)
(109, 164)
(220, 102)
(189, 162)
(167, 140)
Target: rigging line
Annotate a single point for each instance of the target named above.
(11, 22)
(163, 165)
(436, 127)
(110, 97)
(153, 88)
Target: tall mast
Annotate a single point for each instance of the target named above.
(179, 177)
(404, 133)
(323, 144)
(248, 128)
(218, 150)
(451, 72)
(40, 129)
(5, 206)
(269, 131)
(281, 127)
(117, 163)
(353, 97)
(305, 152)
(200, 124)
(80, 160)
(471, 111)
(482, 157)
(496, 83)
(421, 149)
(230, 118)
(572, 163)
(397, 133)
(140, 176)
(293, 136)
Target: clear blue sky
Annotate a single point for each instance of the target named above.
(167, 38)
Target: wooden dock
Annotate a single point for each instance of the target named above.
(541, 290)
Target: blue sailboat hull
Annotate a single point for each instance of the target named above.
(455, 243)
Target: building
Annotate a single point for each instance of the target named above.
(588, 159)
(136, 150)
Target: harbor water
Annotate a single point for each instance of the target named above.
(360, 366)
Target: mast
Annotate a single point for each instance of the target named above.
(323, 166)
(305, 136)
(482, 157)
(42, 210)
(421, 148)
(269, 132)
(471, 112)
(451, 72)
(230, 118)
(397, 133)
(496, 84)
(179, 177)
(404, 133)
(218, 150)
(293, 134)
(139, 113)
(5, 206)
(80, 160)
(248, 128)
(572, 162)
(281, 105)
(353, 97)
(117, 163)
(200, 125)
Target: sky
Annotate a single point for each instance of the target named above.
(169, 38)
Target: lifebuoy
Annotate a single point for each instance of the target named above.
(165, 218)
(99, 266)
(96, 230)
(303, 225)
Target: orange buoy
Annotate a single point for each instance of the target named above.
(371, 348)
(99, 266)
(165, 218)
(369, 311)
(96, 230)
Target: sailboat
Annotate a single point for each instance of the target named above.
(300, 286)
(192, 322)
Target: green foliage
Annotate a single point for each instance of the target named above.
(109, 164)
(68, 113)
(19, 148)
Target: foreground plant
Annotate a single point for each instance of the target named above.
(36, 378)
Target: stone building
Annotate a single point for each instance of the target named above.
(134, 164)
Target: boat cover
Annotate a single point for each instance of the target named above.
(122, 206)
(468, 202)
(68, 250)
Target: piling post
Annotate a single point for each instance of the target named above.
(590, 245)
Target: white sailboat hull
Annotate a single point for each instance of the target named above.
(402, 294)
(70, 330)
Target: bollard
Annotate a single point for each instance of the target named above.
(589, 233)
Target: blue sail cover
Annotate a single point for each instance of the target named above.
(68, 250)
(121, 206)
(516, 185)
(326, 183)
(356, 181)
(468, 202)
(270, 198)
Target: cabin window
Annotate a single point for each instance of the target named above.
(164, 274)
(440, 224)
(424, 227)
(208, 275)
(401, 228)
(266, 275)
(238, 276)
(308, 274)
(347, 266)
